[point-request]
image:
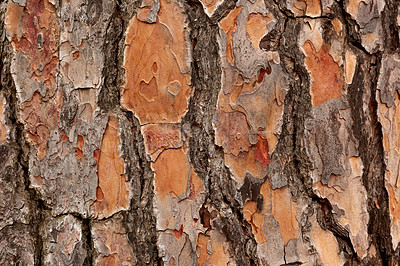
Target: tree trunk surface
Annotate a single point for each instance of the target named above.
(199, 132)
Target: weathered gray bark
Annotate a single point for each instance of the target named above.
(199, 132)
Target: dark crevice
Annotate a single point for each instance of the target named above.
(299, 98)
(88, 241)
(371, 152)
(223, 10)
(289, 14)
(113, 49)
(206, 157)
(327, 221)
(139, 220)
(351, 27)
(390, 28)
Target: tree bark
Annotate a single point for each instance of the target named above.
(200, 132)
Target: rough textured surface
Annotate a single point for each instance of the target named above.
(200, 132)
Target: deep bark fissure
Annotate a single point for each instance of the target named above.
(89, 244)
(140, 220)
(206, 157)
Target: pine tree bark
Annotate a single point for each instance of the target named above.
(200, 132)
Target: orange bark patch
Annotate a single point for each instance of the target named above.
(256, 219)
(99, 194)
(178, 234)
(306, 7)
(79, 149)
(112, 183)
(394, 206)
(325, 244)
(313, 7)
(219, 255)
(196, 185)
(35, 31)
(3, 130)
(40, 117)
(159, 137)
(232, 132)
(157, 82)
(64, 137)
(279, 202)
(96, 156)
(171, 173)
(284, 212)
(353, 6)
(257, 27)
(143, 13)
(245, 162)
(261, 152)
(337, 25)
(202, 242)
(228, 25)
(327, 81)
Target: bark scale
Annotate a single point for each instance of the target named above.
(199, 132)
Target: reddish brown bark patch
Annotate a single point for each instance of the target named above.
(159, 137)
(327, 80)
(232, 132)
(40, 117)
(178, 233)
(35, 31)
(261, 152)
(79, 149)
(96, 156)
(64, 137)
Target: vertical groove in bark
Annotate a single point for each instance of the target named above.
(207, 158)
(113, 46)
(140, 220)
(88, 241)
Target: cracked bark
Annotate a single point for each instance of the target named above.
(219, 132)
